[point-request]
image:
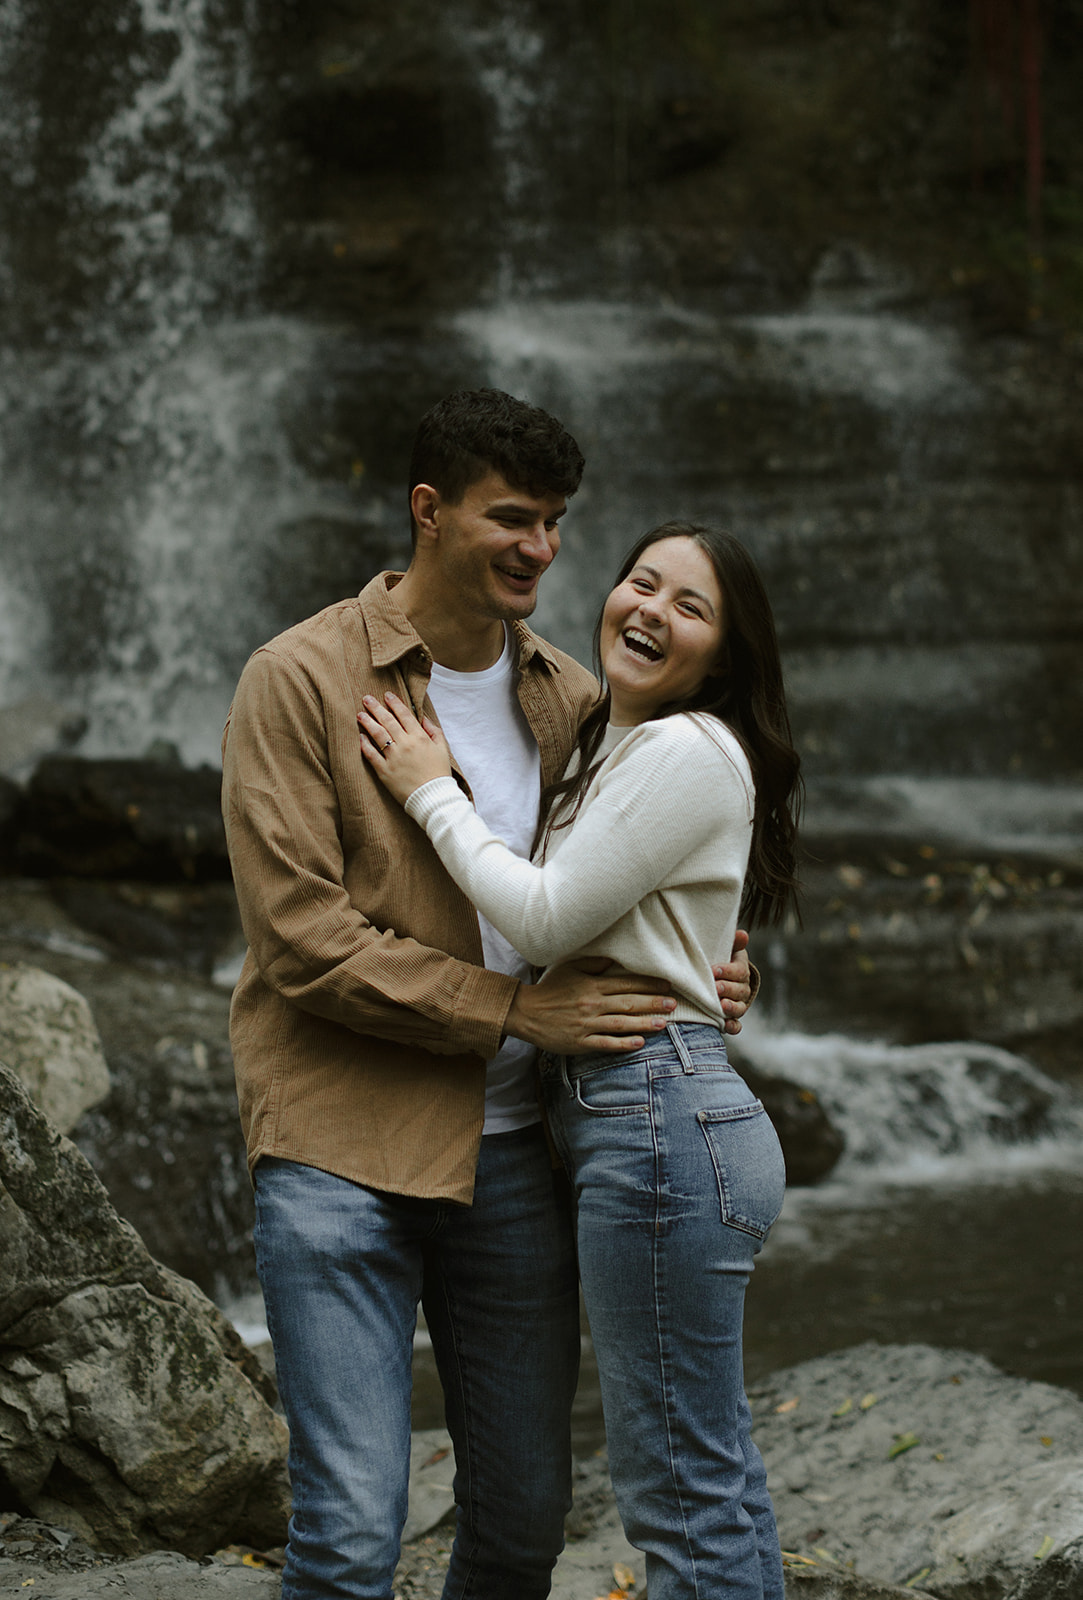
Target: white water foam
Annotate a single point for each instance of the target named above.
(958, 1111)
(990, 815)
(184, 112)
(879, 357)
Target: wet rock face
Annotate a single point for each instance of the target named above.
(1059, 1577)
(264, 238)
(132, 1413)
(921, 942)
(166, 1140)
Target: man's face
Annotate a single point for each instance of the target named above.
(491, 549)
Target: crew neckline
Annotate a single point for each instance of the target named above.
(499, 669)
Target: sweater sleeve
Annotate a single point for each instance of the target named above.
(665, 790)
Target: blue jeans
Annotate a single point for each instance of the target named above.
(678, 1176)
(343, 1268)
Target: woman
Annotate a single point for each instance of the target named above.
(677, 812)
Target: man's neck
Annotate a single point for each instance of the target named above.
(460, 643)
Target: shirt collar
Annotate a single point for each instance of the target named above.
(392, 635)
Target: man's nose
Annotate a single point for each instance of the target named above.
(540, 543)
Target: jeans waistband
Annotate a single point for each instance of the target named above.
(679, 1038)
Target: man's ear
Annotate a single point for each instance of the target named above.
(424, 508)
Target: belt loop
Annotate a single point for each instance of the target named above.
(674, 1031)
(564, 1078)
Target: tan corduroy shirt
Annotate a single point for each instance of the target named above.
(363, 1017)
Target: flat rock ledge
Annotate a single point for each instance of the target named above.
(929, 1469)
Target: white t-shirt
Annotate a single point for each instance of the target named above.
(491, 740)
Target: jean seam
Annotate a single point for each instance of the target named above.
(612, 1111)
(754, 1108)
(663, 1358)
(462, 1468)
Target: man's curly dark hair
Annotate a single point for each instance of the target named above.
(475, 431)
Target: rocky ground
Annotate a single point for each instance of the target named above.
(897, 1471)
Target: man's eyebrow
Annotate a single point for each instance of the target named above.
(505, 507)
(696, 594)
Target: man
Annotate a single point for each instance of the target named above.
(378, 1027)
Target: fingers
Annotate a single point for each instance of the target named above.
(394, 716)
(376, 738)
(384, 725)
(615, 1004)
(732, 983)
(376, 719)
(625, 1021)
(400, 711)
(599, 1042)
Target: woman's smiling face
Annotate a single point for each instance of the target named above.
(662, 629)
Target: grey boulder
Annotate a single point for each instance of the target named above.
(49, 1039)
(130, 1410)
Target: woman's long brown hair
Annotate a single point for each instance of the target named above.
(748, 695)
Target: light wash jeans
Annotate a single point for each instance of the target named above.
(678, 1176)
(342, 1269)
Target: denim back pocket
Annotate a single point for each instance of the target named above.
(748, 1165)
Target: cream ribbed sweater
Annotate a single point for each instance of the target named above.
(649, 874)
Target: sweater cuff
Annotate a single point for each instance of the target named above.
(430, 797)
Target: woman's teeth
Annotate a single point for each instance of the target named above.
(642, 644)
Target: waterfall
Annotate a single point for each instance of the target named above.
(224, 322)
(919, 1112)
(119, 418)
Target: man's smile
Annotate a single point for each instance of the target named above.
(524, 577)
